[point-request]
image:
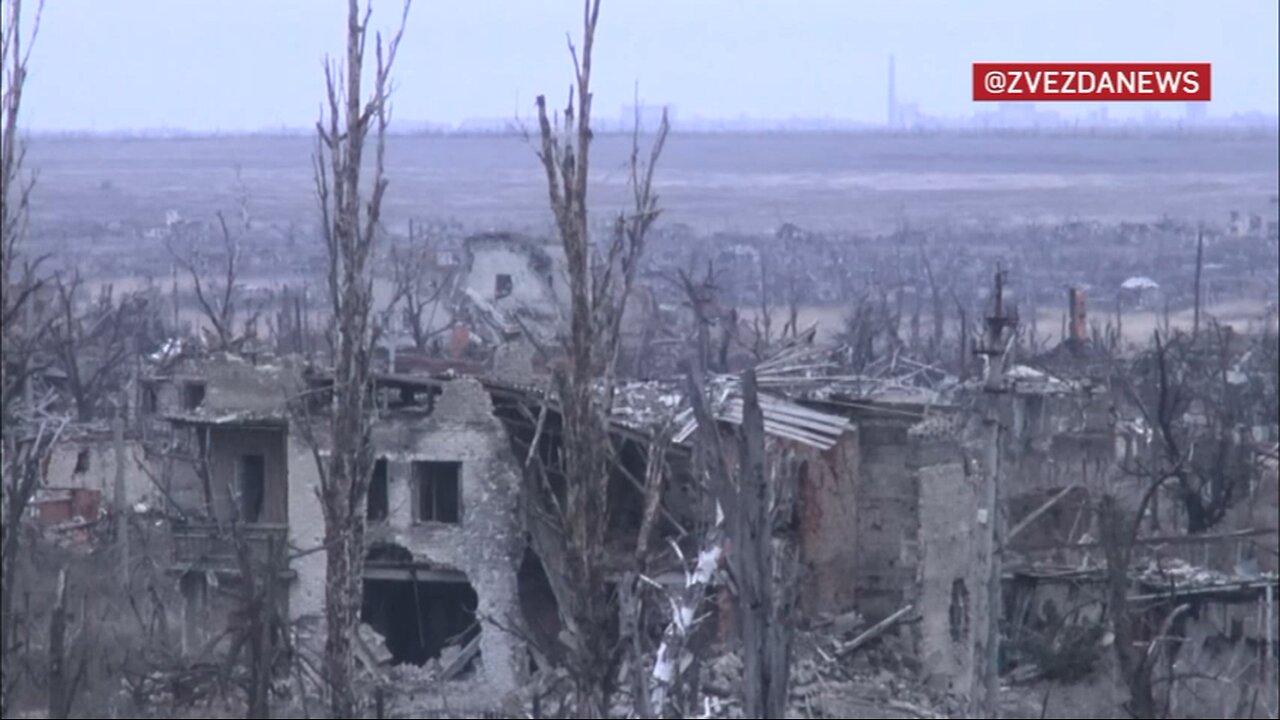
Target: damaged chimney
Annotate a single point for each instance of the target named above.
(1079, 324)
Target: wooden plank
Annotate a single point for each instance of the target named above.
(875, 631)
(1030, 518)
(469, 652)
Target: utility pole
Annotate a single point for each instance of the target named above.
(995, 348)
(1195, 327)
(177, 305)
(121, 500)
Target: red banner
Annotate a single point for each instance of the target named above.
(1040, 82)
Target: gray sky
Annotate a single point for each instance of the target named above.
(253, 64)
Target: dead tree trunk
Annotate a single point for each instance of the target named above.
(995, 348)
(598, 297)
(59, 683)
(121, 500)
(1117, 545)
(21, 456)
(765, 637)
(349, 236)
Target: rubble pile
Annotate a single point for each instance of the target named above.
(872, 684)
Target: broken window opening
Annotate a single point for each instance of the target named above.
(502, 285)
(252, 473)
(150, 400)
(82, 462)
(193, 395)
(422, 621)
(439, 492)
(959, 611)
(378, 505)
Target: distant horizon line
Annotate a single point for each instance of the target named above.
(604, 125)
(799, 127)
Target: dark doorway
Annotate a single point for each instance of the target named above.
(82, 462)
(420, 619)
(379, 504)
(253, 487)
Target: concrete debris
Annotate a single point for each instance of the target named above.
(824, 687)
(371, 648)
(1182, 575)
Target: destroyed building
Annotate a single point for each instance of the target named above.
(892, 517)
(89, 457)
(509, 284)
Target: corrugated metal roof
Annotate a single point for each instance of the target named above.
(782, 419)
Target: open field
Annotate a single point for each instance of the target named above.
(101, 203)
(1137, 324)
(736, 182)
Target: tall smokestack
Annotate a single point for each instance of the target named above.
(1079, 322)
(893, 96)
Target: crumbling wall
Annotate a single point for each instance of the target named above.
(887, 521)
(955, 557)
(1055, 440)
(1265, 516)
(1051, 442)
(537, 290)
(513, 362)
(89, 462)
(227, 445)
(828, 530)
(306, 529)
(536, 270)
(232, 384)
(180, 476)
(486, 545)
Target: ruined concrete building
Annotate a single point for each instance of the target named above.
(449, 542)
(891, 512)
(511, 284)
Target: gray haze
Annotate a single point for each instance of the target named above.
(255, 64)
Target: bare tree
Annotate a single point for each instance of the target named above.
(1199, 460)
(763, 562)
(349, 233)
(290, 328)
(759, 527)
(418, 286)
(1119, 532)
(26, 433)
(871, 328)
(599, 290)
(258, 621)
(218, 291)
(1182, 387)
(92, 346)
(18, 272)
